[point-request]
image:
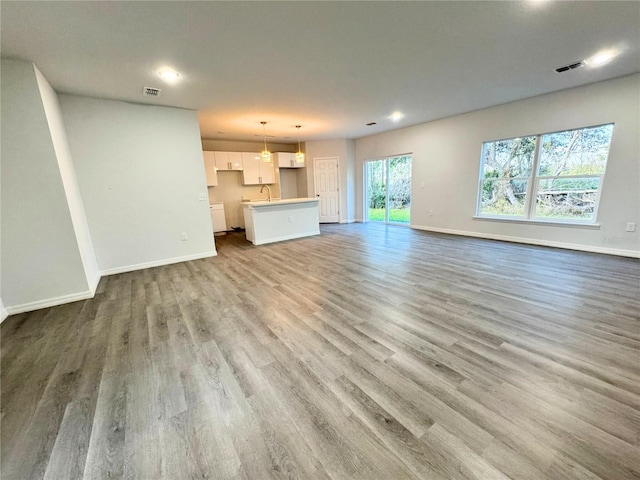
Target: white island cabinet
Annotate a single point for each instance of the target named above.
(279, 220)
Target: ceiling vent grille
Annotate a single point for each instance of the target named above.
(150, 92)
(573, 66)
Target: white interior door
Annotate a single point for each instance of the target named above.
(325, 174)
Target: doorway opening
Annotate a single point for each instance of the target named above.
(388, 190)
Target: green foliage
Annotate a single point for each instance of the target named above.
(575, 152)
(507, 170)
(377, 196)
(398, 183)
(509, 158)
(395, 215)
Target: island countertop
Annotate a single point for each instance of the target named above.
(279, 220)
(283, 201)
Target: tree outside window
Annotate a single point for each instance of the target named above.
(555, 176)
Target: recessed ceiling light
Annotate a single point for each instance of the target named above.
(396, 116)
(601, 58)
(169, 76)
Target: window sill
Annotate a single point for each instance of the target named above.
(555, 223)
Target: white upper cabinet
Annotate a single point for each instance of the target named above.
(251, 170)
(256, 171)
(235, 160)
(210, 168)
(267, 172)
(222, 160)
(286, 160)
(228, 160)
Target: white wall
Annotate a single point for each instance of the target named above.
(289, 182)
(344, 150)
(41, 261)
(350, 190)
(69, 180)
(446, 156)
(301, 176)
(140, 172)
(3, 311)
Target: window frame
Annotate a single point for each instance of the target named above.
(533, 182)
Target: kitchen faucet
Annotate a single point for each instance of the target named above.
(268, 191)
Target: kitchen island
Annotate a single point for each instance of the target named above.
(278, 220)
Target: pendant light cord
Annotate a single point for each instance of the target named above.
(264, 134)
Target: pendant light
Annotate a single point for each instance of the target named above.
(266, 154)
(299, 155)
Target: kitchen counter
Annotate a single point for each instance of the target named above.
(283, 201)
(279, 220)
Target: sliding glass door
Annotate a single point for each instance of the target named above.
(388, 189)
(376, 191)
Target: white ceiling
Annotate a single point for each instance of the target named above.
(331, 67)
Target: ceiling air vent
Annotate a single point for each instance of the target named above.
(150, 92)
(573, 66)
(371, 124)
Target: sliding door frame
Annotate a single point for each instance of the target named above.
(387, 166)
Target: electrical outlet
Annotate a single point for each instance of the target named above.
(202, 197)
(290, 218)
(431, 213)
(631, 227)
(184, 237)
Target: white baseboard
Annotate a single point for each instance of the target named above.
(3, 312)
(74, 297)
(286, 237)
(49, 302)
(93, 285)
(533, 241)
(157, 263)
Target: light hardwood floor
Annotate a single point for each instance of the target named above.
(369, 352)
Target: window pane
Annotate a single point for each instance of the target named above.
(376, 190)
(508, 158)
(570, 198)
(575, 152)
(399, 189)
(503, 197)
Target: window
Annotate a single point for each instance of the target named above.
(553, 177)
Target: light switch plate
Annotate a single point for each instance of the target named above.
(202, 197)
(631, 227)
